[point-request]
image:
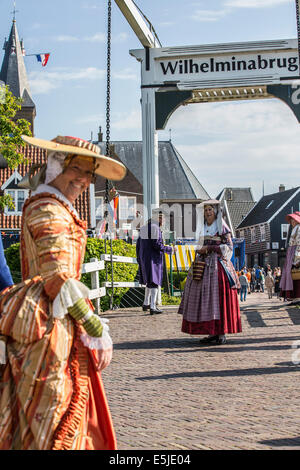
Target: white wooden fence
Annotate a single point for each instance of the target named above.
(95, 265)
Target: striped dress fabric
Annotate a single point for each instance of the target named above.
(211, 306)
(51, 395)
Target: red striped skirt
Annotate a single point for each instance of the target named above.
(230, 320)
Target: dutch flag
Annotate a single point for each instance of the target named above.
(43, 58)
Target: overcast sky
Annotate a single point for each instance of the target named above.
(236, 144)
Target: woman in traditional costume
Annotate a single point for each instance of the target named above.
(210, 306)
(53, 345)
(290, 288)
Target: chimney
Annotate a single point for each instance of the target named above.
(281, 188)
(100, 135)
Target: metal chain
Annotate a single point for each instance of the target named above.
(108, 93)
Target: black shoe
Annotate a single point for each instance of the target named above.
(146, 307)
(221, 341)
(155, 311)
(209, 339)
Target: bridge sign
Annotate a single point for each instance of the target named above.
(219, 65)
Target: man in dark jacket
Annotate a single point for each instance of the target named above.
(5, 276)
(150, 251)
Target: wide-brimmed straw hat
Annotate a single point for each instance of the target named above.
(295, 216)
(104, 166)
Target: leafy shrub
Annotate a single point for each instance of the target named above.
(12, 254)
(169, 300)
(94, 249)
(122, 272)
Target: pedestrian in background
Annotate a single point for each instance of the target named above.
(269, 283)
(248, 276)
(5, 275)
(258, 279)
(277, 278)
(253, 280)
(262, 280)
(244, 286)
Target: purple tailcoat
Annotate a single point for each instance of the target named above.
(150, 250)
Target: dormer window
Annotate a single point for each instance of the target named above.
(18, 197)
(269, 205)
(10, 187)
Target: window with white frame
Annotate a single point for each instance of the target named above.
(262, 233)
(252, 231)
(284, 231)
(99, 208)
(127, 207)
(18, 198)
(241, 234)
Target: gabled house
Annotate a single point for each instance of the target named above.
(265, 228)
(236, 203)
(179, 189)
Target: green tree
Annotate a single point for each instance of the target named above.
(11, 130)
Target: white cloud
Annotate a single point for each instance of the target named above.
(208, 15)
(229, 5)
(255, 3)
(97, 37)
(119, 121)
(65, 38)
(127, 121)
(126, 74)
(45, 81)
(119, 38)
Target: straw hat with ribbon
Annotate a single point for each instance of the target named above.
(104, 166)
(295, 216)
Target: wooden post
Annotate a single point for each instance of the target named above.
(95, 285)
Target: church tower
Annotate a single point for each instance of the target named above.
(13, 73)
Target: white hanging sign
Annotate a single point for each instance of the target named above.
(220, 65)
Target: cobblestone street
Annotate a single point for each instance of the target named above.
(166, 391)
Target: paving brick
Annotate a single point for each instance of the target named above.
(166, 391)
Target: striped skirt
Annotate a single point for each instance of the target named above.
(229, 322)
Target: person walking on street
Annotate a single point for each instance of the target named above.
(277, 278)
(244, 286)
(253, 280)
(262, 280)
(258, 279)
(248, 276)
(269, 282)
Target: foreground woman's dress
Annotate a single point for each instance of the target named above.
(211, 306)
(51, 395)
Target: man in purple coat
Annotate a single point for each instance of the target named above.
(150, 251)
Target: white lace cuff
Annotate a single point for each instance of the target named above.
(71, 291)
(2, 352)
(104, 342)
